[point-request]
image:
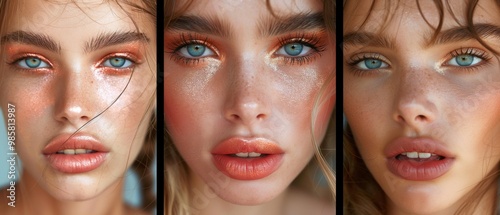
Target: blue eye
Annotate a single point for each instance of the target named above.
(294, 50)
(32, 63)
(118, 62)
(465, 60)
(371, 63)
(195, 51)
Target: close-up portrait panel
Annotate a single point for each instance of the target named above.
(78, 102)
(421, 99)
(249, 98)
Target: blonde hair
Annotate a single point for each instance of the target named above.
(145, 158)
(177, 199)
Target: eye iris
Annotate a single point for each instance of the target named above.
(117, 61)
(464, 60)
(195, 50)
(293, 49)
(373, 63)
(33, 62)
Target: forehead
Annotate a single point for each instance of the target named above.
(248, 10)
(48, 16)
(373, 16)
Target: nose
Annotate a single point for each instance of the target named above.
(74, 101)
(248, 94)
(416, 100)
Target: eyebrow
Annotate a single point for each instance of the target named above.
(31, 38)
(109, 39)
(209, 25)
(366, 39)
(302, 21)
(463, 33)
(270, 27)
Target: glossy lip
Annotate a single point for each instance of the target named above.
(418, 170)
(75, 163)
(247, 168)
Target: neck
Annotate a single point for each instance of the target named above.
(33, 199)
(212, 204)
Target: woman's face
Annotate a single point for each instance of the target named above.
(240, 87)
(424, 112)
(68, 69)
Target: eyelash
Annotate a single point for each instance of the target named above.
(127, 57)
(356, 59)
(310, 40)
(184, 40)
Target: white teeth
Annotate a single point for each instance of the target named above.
(242, 154)
(253, 154)
(69, 151)
(80, 151)
(248, 154)
(424, 155)
(74, 151)
(417, 154)
(412, 154)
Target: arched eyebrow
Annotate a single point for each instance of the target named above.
(203, 25)
(114, 38)
(267, 27)
(362, 38)
(45, 42)
(31, 38)
(462, 33)
(302, 21)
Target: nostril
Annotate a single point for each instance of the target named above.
(420, 118)
(261, 116)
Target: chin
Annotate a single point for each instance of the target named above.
(74, 188)
(252, 192)
(422, 202)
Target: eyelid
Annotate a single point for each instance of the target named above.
(135, 61)
(17, 59)
(355, 59)
(314, 41)
(174, 46)
(476, 52)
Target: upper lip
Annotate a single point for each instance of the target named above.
(235, 145)
(74, 141)
(420, 144)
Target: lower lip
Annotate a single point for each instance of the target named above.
(419, 170)
(76, 163)
(247, 168)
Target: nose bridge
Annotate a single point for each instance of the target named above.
(246, 99)
(415, 103)
(74, 99)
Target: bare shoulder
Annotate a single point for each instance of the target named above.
(300, 202)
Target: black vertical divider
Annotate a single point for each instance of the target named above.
(160, 192)
(339, 105)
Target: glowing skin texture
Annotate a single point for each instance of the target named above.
(57, 89)
(446, 91)
(247, 84)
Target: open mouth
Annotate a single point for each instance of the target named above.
(73, 154)
(419, 156)
(75, 151)
(247, 159)
(248, 155)
(418, 159)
